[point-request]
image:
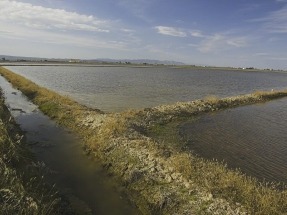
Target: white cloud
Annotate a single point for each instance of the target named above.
(127, 30)
(219, 42)
(38, 17)
(170, 31)
(59, 38)
(40, 25)
(275, 22)
(197, 33)
(237, 42)
(212, 43)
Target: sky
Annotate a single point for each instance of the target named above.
(237, 33)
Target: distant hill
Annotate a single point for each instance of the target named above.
(140, 61)
(21, 58)
(100, 60)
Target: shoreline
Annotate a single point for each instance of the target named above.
(159, 178)
(191, 67)
(21, 174)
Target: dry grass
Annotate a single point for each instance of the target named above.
(256, 197)
(267, 95)
(21, 192)
(211, 99)
(116, 129)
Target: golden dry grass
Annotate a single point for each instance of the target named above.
(21, 192)
(214, 177)
(256, 197)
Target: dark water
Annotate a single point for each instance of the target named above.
(252, 138)
(121, 88)
(85, 184)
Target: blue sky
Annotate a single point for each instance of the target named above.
(239, 33)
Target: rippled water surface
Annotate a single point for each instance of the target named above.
(120, 88)
(252, 138)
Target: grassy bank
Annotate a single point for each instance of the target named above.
(22, 188)
(158, 177)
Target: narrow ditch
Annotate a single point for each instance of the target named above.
(77, 176)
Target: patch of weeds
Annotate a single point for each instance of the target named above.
(212, 99)
(50, 108)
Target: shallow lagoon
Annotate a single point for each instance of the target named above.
(121, 88)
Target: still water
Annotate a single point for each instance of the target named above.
(79, 178)
(252, 138)
(121, 88)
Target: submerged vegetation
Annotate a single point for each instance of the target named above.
(159, 176)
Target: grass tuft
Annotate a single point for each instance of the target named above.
(21, 191)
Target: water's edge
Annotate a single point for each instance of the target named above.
(159, 178)
(77, 176)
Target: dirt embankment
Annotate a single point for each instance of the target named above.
(160, 178)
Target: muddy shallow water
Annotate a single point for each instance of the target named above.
(76, 175)
(252, 138)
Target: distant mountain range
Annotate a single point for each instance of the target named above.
(100, 60)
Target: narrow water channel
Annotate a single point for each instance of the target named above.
(76, 175)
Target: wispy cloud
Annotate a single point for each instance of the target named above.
(279, 58)
(276, 21)
(49, 37)
(219, 42)
(197, 33)
(38, 17)
(261, 54)
(204, 42)
(170, 31)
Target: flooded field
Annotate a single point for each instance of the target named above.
(252, 138)
(120, 88)
(76, 175)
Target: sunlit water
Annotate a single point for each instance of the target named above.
(121, 88)
(76, 175)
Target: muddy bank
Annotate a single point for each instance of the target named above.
(160, 178)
